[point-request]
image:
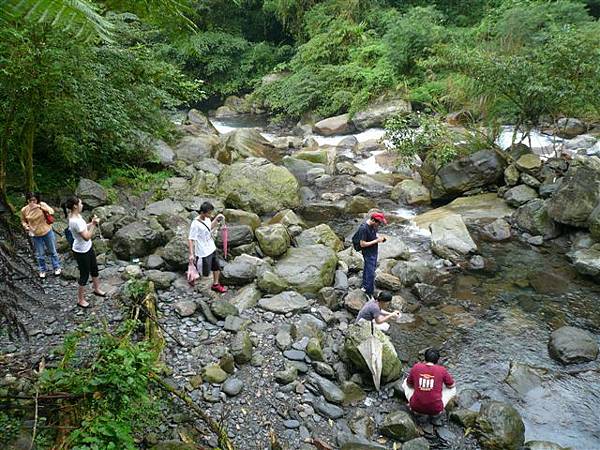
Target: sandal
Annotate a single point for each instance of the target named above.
(99, 294)
(86, 306)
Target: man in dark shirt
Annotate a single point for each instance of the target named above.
(424, 387)
(369, 242)
(373, 311)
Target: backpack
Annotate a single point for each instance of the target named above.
(69, 237)
(356, 238)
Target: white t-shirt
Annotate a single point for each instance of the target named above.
(204, 244)
(77, 225)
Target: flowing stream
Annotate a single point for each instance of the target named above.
(495, 317)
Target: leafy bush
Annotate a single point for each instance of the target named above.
(138, 179)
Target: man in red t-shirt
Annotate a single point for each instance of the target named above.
(424, 387)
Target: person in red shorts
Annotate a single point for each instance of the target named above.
(429, 387)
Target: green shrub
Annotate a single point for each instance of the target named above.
(138, 179)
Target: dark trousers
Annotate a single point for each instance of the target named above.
(87, 266)
(368, 280)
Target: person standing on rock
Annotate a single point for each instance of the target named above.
(203, 251)
(373, 311)
(83, 249)
(429, 387)
(34, 218)
(369, 244)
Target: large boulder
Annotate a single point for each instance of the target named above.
(163, 152)
(237, 235)
(245, 142)
(284, 303)
(307, 269)
(136, 240)
(193, 148)
(480, 169)
(400, 426)
(569, 127)
(166, 206)
(578, 194)
(393, 248)
(450, 238)
(241, 217)
(334, 125)
(570, 345)
(242, 270)
(321, 234)
(356, 334)
(411, 192)
(274, 240)
(200, 122)
(594, 223)
(305, 171)
(533, 218)
(376, 114)
(91, 193)
(288, 218)
(259, 186)
(500, 426)
(175, 253)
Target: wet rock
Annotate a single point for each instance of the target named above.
(533, 218)
(222, 309)
(246, 298)
(258, 186)
(480, 169)
(357, 333)
(464, 417)
(546, 282)
(185, 308)
(498, 230)
(91, 193)
(542, 445)
(570, 345)
(411, 192)
(400, 426)
(519, 195)
(529, 162)
(307, 269)
(587, 260)
(233, 387)
(334, 125)
(578, 194)
(241, 347)
(523, 378)
(416, 444)
(214, 374)
(274, 240)
(500, 426)
(284, 303)
(450, 238)
(321, 234)
(349, 441)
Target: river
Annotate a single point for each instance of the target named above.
(495, 317)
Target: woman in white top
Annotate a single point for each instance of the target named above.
(203, 251)
(83, 249)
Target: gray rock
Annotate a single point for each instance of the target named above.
(321, 234)
(233, 386)
(284, 303)
(283, 339)
(587, 260)
(164, 153)
(378, 112)
(185, 308)
(529, 162)
(307, 269)
(416, 444)
(246, 298)
(274, 240)
(154, 262)
(519, 195)
(234, 323)
(91, 193)
(136, 240)
(286, 376)
(530, 180)
(330, 390)
(411, 192)
(542, 445)
(161, 280)
(328, 410)
(511, 175)
(340, 282)
(450, 238)
(323, 369)
(241, 347)
(166, 206)
(349, 441)
(242, 270)
(571, 345)
(334, 125)
(221, 309)
(393, 248)
(400, 426)
(533, 218)
(498, 230)
(569, 127)
(411, 272)
(295, 355)
(291, 424)
(307, 325)
(193, 148)
(594, 223)
(500, 426)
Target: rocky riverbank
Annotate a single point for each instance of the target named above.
(278, 351)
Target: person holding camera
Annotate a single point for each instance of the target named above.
(369, 243)
(375, 311)
(36, 218)
(83, 249)
(202, 248)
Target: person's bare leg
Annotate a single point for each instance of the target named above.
(216, 275)
(96, 285)
(81, 296)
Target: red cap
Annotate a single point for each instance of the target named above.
(379, 217)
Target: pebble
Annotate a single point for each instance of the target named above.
(233, 386)
(295, 355)
(291, 424)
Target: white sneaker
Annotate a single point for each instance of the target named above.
(58, 271)
(42, 275)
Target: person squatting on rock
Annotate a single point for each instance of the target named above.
(34, 221)
(83, 249)
(369, 243)
(429, 387)
(203, 251)
(373, 311)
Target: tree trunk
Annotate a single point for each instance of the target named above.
(28, 157)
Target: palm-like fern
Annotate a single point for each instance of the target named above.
(79, 17)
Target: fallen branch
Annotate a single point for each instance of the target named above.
(215, 427)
